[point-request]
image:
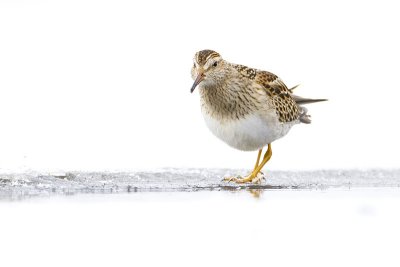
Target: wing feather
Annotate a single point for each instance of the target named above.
(281, 98)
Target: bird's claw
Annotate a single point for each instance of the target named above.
(230, 179)
(254, 179)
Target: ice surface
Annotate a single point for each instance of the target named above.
(23, 185)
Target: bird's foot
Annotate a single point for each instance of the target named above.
(252, 178)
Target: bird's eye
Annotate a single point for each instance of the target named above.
(215, 64)
(194, 65)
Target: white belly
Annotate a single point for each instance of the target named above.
(250, 133)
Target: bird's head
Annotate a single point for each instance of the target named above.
(208, 68)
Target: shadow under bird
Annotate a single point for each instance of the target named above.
(245, 107)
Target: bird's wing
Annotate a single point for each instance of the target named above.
(280, 95)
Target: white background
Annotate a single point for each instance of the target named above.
(104, 85)
(282, 228)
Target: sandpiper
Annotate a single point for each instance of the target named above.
(245, 107)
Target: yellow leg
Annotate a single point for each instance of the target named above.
(266, 158)
(229, 179)
(258, 159)
(253, 176)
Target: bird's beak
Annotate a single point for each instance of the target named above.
(199, 78)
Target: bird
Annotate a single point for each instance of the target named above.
(245, 107)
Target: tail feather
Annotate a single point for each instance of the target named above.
(304, 117)
(302, 101)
